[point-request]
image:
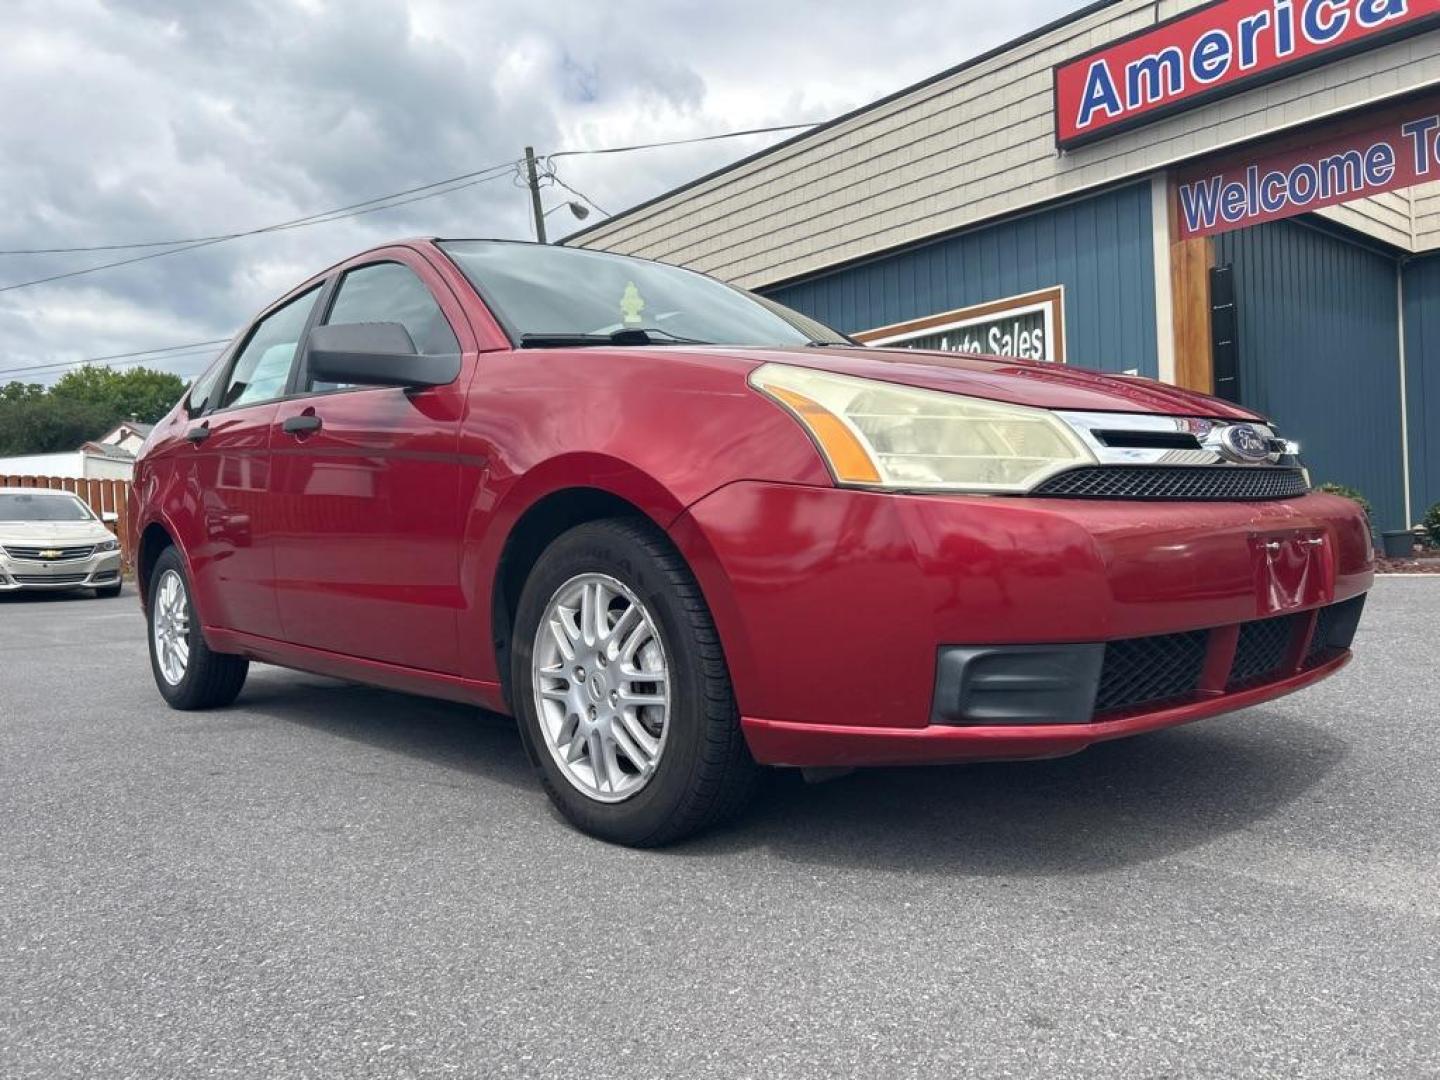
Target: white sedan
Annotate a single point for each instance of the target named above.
(52, 540)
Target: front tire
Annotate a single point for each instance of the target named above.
(108, 592)
(621, 688)
(188, 674)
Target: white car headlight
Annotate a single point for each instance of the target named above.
(878, 434)
(107, 545)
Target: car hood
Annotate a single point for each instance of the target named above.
(1020, 382)
(52, 533)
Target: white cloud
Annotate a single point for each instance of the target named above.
(145, 119)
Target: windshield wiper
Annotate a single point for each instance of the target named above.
(628, 336)
(651, 331)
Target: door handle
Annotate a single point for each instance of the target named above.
(303, 424)
(197, 435)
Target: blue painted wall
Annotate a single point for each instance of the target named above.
(1319, 339)
(1100, 249)
(1422, 379)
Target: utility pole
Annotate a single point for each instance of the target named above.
(535, 194)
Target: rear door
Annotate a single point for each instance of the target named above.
(222, 502)
(368, 485)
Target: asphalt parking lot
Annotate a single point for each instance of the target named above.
(327, 880)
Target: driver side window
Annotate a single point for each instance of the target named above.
(263, 367)
(389, 292)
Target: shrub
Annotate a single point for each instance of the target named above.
(1432, 525)
(1349, 493)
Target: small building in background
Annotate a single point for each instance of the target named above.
(128, 437)
(110, 457)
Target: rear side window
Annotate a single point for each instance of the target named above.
(263, 366)
(389, 292)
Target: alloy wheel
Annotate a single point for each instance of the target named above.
(171, 627)
(602, 687)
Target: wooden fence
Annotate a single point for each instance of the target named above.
(102, 496)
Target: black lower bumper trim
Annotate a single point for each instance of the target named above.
(1016, 684)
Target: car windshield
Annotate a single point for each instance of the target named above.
(546, 295)
(23, 506)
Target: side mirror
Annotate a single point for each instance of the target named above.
(109, 517)
(375, 354)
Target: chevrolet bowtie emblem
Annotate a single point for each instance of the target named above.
(51, 553)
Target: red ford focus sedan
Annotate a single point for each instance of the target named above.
(680, 532)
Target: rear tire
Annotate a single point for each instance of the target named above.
(188, 674)
(700, 771)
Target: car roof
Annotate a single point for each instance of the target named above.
(37, 491)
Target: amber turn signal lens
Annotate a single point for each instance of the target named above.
(847, 457)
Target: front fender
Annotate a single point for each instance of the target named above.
(656, 429)
(495, 509)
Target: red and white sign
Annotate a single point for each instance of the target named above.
(1218, 49)
(1347, 160)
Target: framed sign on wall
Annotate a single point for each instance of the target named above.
(1030, 326)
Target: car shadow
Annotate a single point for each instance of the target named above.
(455, 736)
(1116, 804)
(59, 596)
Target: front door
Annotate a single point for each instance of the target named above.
(224, 508)
(367, 483)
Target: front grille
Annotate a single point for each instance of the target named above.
(67, 554)
(1150, 670)
(49, 579)
(1140, 671)
(1261, 649)
(1197, 482)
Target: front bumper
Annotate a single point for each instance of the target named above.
(100, 569)
(835, 608)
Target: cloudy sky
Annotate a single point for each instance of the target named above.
(145, 120)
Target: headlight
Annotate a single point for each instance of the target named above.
(877, 434)
(107, 545)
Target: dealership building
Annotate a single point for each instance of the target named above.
(1241, 197)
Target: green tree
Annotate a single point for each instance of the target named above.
(82, 405)
(139, 393)
(47, 424)
(19, 391)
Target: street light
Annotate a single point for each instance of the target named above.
(580, 210)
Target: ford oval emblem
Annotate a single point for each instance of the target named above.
(1241, 442)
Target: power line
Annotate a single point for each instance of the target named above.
(204, 356)
(326, 215)
(313, 219)
(337, 213)
(139, 356)
(293, 223)
(681, 142)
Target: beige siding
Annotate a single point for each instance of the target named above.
(974, 146)
(1427, 216)
(1385, 216)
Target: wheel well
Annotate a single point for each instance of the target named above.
(537, 528)
(153, 541)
